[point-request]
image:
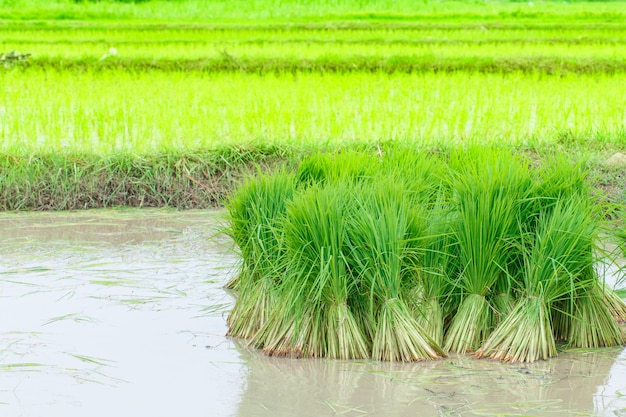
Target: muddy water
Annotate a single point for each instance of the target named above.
(115, 313)
(122, 313)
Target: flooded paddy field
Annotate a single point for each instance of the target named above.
(124, 313)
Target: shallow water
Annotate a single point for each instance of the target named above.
(122, 313)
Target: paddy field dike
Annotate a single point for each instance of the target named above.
(171, 103)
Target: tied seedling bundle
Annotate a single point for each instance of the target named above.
(408, 256)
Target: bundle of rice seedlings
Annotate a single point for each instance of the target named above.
(256, 212)
(591, 324)
(525, 335)
(379, 238)
(317, 319)
(614, 303)
(488, 189)
(437, 268)
(556, 270)
(613, 300)
(422, 176)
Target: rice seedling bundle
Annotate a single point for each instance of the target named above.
(558, 272)
(488, 192)
(383, 236)
(318, 286)
(407, 256)
(256, 213)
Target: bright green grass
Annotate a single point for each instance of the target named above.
(62, 35)
(59, 44)
(318, 49)
(198, 10)
(140, 112)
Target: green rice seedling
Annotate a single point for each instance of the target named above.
(270, 11)
(488, 188)
(108, 110)
(322, 167)
(422, 173)
(615, 304)
(256, 214)
(318, 319)
(179, 40)
(432, 300)
(591, 322)
(383, 237)
(557, 268)
(558, 179)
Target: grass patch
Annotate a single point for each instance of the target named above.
(82, 180)
(387, 64)
(186, 179)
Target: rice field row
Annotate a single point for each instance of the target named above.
(172, 50)
(54, 33)
(112, 111)
(591, 48)
(293, 10)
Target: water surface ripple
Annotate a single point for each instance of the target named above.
(122, 313)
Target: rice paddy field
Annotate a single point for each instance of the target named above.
(139, 83)
(421, 198)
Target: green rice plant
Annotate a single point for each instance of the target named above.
(558, 266)
(66, 39)
(256, 214)
(558, 179)
(488, 188)
(439, 268)
(615, 304)
(317, 318)
(423, 174)
(141, 112)
(392, 46)
(383, 236)
(321, 167)
(190, 11)
(282, 49)
(592, 324)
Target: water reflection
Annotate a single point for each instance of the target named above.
(610, 397)
(115, 313)
(123, 313)
(574, 383)
(123, 226)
